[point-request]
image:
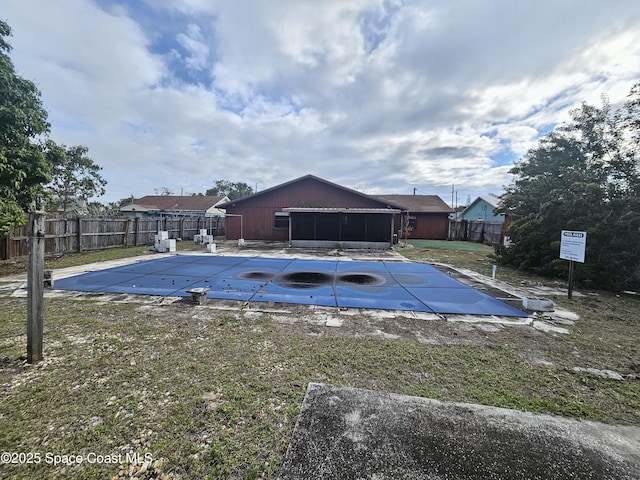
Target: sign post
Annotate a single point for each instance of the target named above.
(572, 247)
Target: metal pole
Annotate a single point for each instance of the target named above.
(570, 279)
(35, 286)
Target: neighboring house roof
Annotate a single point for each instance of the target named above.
(318, 179)
(491, 200)
(419, 203)
(171, 202)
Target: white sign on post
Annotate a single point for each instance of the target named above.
(572, 245)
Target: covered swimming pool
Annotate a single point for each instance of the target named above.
(386, 285)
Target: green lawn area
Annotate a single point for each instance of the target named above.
(451, 245)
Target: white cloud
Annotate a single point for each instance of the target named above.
(87, 64)
(194, 43)
(390, 95)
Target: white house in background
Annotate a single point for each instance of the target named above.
(482, 209)
(191, 206)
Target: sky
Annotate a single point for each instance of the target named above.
(381, 96)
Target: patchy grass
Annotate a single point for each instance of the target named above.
(208, 393)
(472, 256)
(451, 245)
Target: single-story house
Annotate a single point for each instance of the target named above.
(191, 206)
(425, 216)
(481, 209)
(312, 212)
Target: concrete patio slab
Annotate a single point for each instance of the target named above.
(348, 433)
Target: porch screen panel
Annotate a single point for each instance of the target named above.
(378, 228)
(327, 226)
(302, 226)
(353, 227)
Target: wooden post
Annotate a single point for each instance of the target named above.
(125, 238)
(137, 228)
(570, 279)
(79, 234)
(35, 286)
(7, 253)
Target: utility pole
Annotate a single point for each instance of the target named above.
(453, 186)
(35, 285)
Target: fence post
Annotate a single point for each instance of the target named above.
(79, 234)
(136, 225)
(35, 286)
(125, 239)
(6, 246)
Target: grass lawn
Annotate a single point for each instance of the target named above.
(473, 256)
(210, 393)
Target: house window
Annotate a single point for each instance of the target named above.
(281, 220)
(413, 222)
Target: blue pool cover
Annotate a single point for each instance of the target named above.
(334, 283)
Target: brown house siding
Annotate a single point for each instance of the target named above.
(431, 226)
(257, 224)
(258, 212)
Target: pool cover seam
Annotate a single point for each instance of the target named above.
(191, 283)
(270, 281)
(409, 291)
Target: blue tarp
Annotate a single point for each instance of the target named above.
(386, 285)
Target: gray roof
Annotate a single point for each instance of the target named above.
(419, 203)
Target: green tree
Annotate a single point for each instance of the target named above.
(113, 208)
(23, 122)
(163, 191)
(75, 176)
(583, 176)
(232, 190)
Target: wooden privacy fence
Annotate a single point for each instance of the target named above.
(476, 231)
(79, 234)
